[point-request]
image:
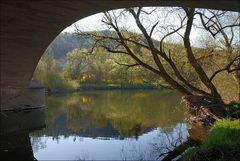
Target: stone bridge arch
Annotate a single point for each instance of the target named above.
(29, 26)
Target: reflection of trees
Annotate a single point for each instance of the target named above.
(131, 113)
(173, 145)
(38, 143)
(166, 145)
(54, 108)
(166, 142)
(134, 152)
(159, 147)
(119, 114)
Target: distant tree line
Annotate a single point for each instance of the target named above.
(119, 56)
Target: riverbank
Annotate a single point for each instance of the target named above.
(221, 144)
(104, 87)
(119, 87)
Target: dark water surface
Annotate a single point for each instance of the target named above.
(110, 125)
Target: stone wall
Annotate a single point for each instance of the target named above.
(15, 99)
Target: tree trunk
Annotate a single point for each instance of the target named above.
(205, 110)
(192, 60)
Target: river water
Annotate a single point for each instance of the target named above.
(111, 125)
(98, 125)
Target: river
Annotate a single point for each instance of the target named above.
(111, 125)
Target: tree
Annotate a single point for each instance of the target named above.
(86, 67)
(48, 72)
(223, 26)
(163, 59)
(77, 63)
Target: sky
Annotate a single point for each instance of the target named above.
(93, 22)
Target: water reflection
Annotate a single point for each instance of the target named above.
(111, 125)
(15, 129)
(107, 125)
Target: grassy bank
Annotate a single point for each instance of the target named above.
(222, 143)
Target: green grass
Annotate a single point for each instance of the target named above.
(222, 143)
(224, 133)
(234, 105)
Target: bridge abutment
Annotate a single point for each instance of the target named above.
(15, 99)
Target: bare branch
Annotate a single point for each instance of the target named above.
(153, 28)
(170, 33)
(101, 37)
(227, 68)
(149, 13)
(216, 25)
(114, 51)
(232, 70)
(128, 65)
(139, 11)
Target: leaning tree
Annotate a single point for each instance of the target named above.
(204, 101)
(224, 27)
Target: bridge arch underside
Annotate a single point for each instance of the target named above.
(28, 27)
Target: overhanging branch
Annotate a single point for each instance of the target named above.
(128, 65)
(227, 68)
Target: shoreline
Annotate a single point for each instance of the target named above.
(105, 88)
